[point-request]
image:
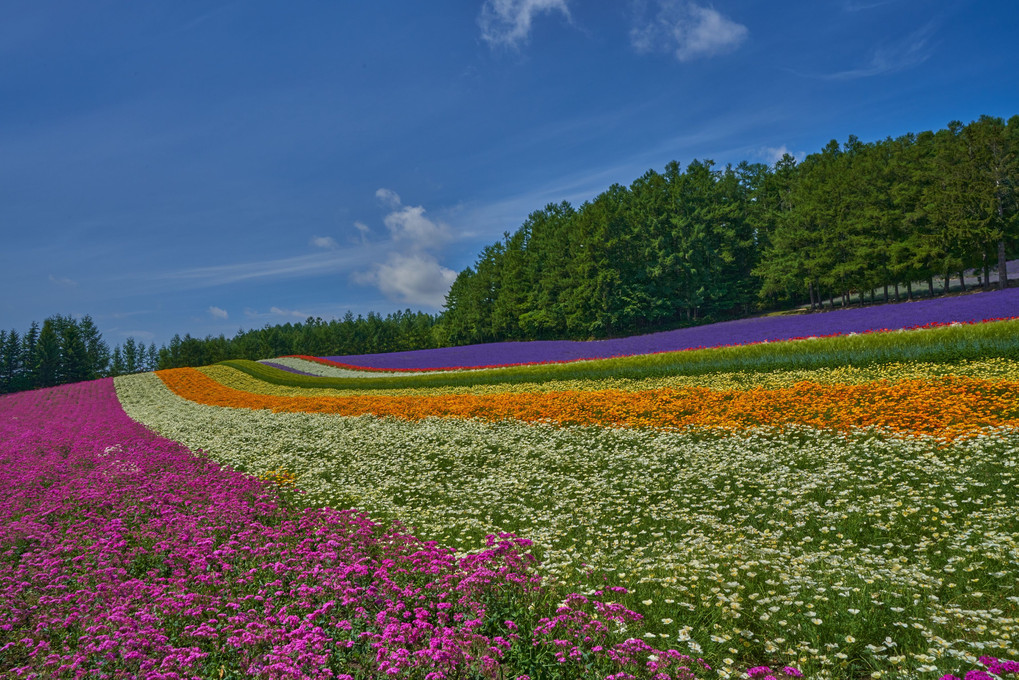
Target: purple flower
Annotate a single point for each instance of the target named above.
(965, 308)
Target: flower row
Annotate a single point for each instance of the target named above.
(946, 407)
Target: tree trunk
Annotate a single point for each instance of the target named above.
(897, 298)
(909, 290)
(930, 285)
(946, 284)
(962, 281)
(886, 292)
(987, 273)
(1002, 267)
(810, 289)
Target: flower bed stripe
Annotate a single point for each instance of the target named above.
(969, 309)
(947, 407)
(993, 369)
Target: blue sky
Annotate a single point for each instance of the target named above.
(200, 167)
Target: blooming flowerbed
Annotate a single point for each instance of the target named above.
(923, 313)
(945, 407)
(125, 555)
(844, 506)
(849, 553)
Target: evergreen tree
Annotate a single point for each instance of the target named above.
(10, 360)
(117, 365)
(96, 349)
(74, 360)
(47, 356)
(130, 355)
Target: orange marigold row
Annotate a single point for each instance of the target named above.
(946, 407)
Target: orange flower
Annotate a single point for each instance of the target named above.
(948, 407)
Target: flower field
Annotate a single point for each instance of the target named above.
(843, 508)
(964, 309)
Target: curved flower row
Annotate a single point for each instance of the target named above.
(947, 407)
(989, 369)
(603, 354)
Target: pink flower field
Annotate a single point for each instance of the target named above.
(125, 555)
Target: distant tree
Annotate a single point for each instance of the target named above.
(96, 349)
(47, 356)
(117, 365)
(130, 355)
(74, 360)
(10, 360)
(152, 358)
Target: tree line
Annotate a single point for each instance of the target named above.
(64, 350)
(704, 244)
(685, 246)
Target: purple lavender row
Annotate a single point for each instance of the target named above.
(125, 555)
(965, 308)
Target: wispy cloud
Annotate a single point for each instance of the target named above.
(333, 261)
(362, 231)
(688, 30)
(325, 242)
(891, 57)
(508, 22)
(218, 312)
(145, 336)
(279, 311)
(860, 5)
(63, 281)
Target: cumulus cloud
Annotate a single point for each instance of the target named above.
(409, 225)
(686, 29)
(218, 312)
(508, 22)
(411, 272)
(327, 242)
(415, 279)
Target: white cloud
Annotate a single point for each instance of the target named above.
(508, 22)
(415, 279)
(218, 313)
(411, 273)
(388, 197)
(278, 311)
(688, 30)
(63, 281)
(773, 154)
(408, 223)
(327, 242)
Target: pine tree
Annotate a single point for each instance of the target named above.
(117, 366)
(74, 360)
(47, 356)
